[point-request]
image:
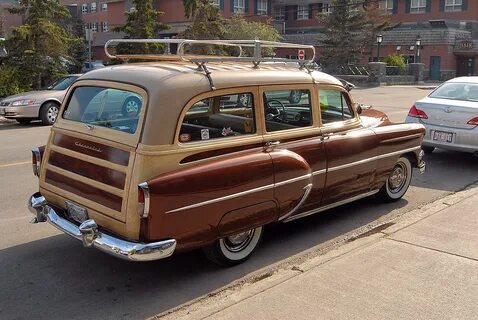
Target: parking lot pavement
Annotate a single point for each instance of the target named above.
(421, 267)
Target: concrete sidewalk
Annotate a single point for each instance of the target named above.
(424, 266)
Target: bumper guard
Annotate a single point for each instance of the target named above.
(89, 234)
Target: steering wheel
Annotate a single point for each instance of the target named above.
(277, 114)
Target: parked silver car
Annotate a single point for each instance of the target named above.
(450, 116)
(43, 104)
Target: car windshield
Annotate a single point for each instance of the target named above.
(62, 83)
(105, 107)
(457, 91)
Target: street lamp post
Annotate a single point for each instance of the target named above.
(418, 42)
(379, 42)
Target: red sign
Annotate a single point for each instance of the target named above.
(301, 54)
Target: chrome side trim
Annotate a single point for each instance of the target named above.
(145, 212)
(409, 137)
(391, 154)
(315, 173)
(330, 206)
(305, 176)
(91, 236)
(307, 190)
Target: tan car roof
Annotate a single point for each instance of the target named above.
(170, 85)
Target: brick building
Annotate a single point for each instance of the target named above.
(7, 20)
(448, 31)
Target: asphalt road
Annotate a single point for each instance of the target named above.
(47, 275)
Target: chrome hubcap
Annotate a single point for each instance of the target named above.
(52, 114)
(397, 179)
(238, 241)
(132, 107)
(296, 95)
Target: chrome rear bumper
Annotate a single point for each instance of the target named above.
(89, 234)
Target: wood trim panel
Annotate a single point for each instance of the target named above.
(83, 190)
(89, 170)
(92, 149)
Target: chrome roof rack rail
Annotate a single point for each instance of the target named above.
(256, 58)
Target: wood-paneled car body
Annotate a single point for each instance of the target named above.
(208, 159)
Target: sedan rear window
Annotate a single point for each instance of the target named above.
(105, 107)
(456, 91)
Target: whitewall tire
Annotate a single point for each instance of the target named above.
(234, 249)
(398, 182)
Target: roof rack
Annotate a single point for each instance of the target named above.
(256, 58)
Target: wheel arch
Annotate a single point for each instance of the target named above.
(57, 102)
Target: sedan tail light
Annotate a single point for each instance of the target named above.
(36, 161)
(417, 113)
(143, 200)
(473, 122)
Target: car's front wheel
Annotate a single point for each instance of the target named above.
(234, 249)
(49, 113)
(398, 182)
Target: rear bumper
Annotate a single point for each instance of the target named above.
(464, 140)
(90, 235)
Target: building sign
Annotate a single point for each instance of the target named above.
(464, 45)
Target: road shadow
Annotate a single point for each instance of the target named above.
(13, 125)
(56, 278)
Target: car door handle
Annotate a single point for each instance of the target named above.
(269, 145)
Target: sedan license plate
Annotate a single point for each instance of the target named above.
(443, 136)
(76, 212)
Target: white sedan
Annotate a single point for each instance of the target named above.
(450, 116)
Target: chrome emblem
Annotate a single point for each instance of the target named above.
(85, 146)
(89, 126)
(448, 110)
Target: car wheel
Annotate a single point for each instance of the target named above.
(398, 181)
(131, 106)
(234, 249)
(49, 113)
(295, 96)
(23, 121)
(428, 150)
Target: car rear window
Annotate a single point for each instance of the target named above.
(456, 91)
(105, 107)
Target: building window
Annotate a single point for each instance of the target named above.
(239, 6)
(418, 6)
(326, 8)
(453, 5)
(279, 13)
(302, 12)
(93, 7)
(104, 7)
(94, 26)
(84, 8)
(262, 7)
(386, 6)
(104, 26)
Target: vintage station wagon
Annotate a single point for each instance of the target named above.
(147, 159)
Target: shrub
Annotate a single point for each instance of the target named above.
(395, 60)
(9, 81)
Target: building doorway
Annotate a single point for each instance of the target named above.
(435, 63)
(465, 66)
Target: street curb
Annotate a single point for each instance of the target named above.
(280, 272)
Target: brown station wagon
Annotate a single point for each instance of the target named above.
(147, 159)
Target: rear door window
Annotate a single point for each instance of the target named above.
(105, 107)
(219, 117)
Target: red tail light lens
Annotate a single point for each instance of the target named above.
(473, 122)
(36, 161)
(143, 200)
(417, 113)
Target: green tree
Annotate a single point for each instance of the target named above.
(37, 46)
(206, 22)
(190, 7)
(343, 43)
(78, 49)
(142, 23)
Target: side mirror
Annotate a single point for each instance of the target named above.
(359, 109)
(347, 85)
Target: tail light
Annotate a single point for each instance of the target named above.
(36, 161)
(143, 200)
(473, 122)
(417, 113)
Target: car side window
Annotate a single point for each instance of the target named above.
(219, 117)
(287, 109)
(334, 106)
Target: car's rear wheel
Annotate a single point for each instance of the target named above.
(398, 182)
(428, 150)
(49, 113)
(23, 121)
(234, 249)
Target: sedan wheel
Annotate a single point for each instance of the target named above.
(49, 113)
(234, 249)
(398, 182)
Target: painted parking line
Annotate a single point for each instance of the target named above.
(14, 164)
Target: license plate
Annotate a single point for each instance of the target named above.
(76, 212)
(443, 136)
(2, 111)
